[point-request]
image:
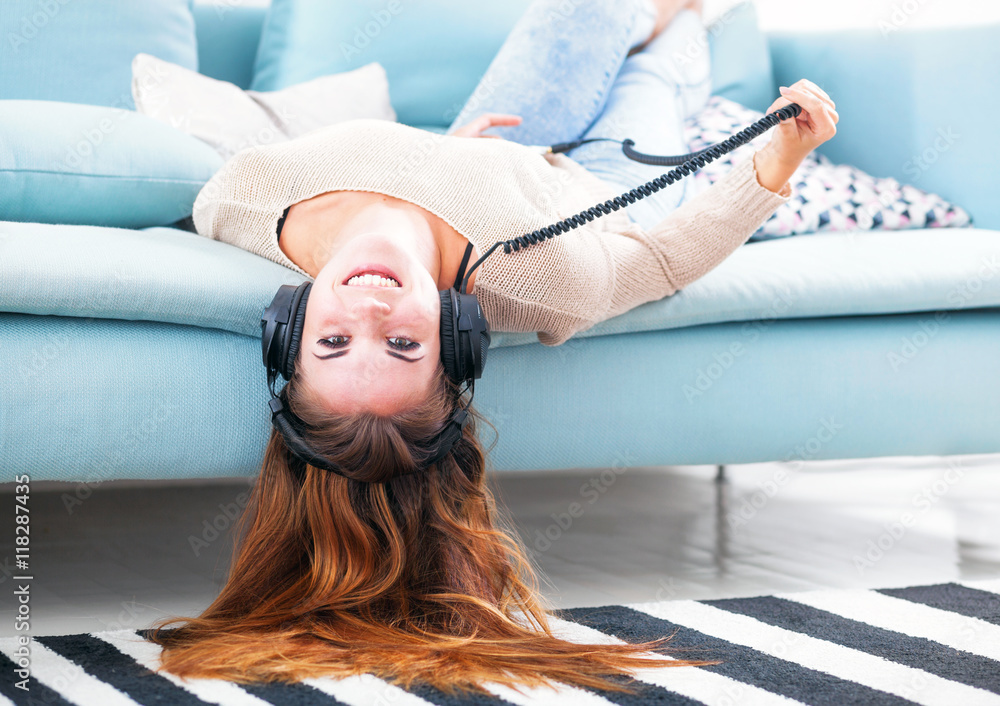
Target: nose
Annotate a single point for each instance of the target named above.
(370, 306)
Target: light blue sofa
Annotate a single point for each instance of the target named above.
(133, 353)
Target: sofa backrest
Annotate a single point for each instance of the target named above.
(228, 36)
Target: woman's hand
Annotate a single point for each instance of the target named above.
(485, 121)
(795, 138)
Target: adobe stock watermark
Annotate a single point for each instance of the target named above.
(563, 11)
(899, 16)
(568, 348)
(212, 529)
(49, 350)
(387, 693)
(666, 589)
(912, 344)
(91, 140)
(94, 137)
(697, 45)
(930, 327)
(706, 376)
(737, 693)
(920, 163)
(269, 134)
(922, 501)
(472, 106)
(137, 435)
(421, 151)
(769, 488)
(31, 24)
(127, 617)
(365, 34)
(224, 6)
(121, 108)
(592, 491)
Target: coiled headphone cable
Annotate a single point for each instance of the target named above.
(688, 164)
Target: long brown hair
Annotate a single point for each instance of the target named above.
(416, 579)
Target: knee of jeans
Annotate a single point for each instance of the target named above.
(587, 13)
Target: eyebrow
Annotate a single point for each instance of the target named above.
(394, 354)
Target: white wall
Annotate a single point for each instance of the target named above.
(809, 15)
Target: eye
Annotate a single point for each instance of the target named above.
(335, 341)
(402, 344)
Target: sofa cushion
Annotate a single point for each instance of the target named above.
(915, 104)
(96, 399)
(455, 42)
(827, 196)
(79, 51)
(229, 119)
(174, 276)
(92, 165)
(155, 274)
(827, 274)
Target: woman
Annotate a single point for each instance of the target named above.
(417, 199)
(400, 567)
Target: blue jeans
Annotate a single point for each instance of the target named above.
(564, 68)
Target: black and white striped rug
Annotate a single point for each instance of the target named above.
(937, 644)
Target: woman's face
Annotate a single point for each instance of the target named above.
(371, 339)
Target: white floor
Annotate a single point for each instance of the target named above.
(135, 551)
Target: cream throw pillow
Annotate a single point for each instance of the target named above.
(231, 119)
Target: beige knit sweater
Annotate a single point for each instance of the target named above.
(490, 190)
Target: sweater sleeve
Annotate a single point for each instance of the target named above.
(588, 275)
(691, 241)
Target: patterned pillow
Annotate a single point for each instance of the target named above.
(826, 196)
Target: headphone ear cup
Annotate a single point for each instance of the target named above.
(484, 347)
(473, 336)
(450, 357)
(479, 337)
(293, 332)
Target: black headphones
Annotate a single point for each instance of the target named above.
(465, 339)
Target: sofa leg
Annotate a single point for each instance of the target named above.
(722, 529)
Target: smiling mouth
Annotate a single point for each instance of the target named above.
(369, 280)
(372, 276)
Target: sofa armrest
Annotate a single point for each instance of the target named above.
(916, 105)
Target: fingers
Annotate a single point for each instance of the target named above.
(813, 104)
(805, 87)
(809, 88)
(808, 85)
(484, 122)
(502, 119)
(819, 116)
(488, 120)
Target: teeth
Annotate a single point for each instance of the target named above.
(370, 280)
